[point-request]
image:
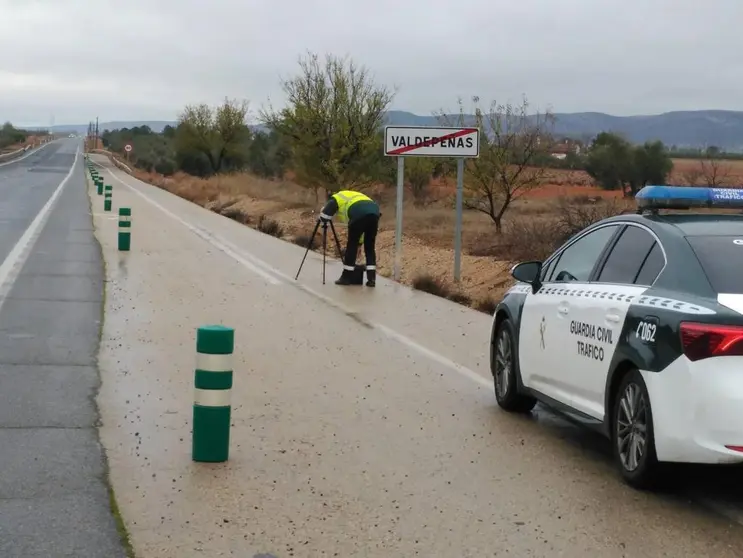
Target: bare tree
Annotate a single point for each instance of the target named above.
(714, 172)
(692, 176)
(331, 123)
(511, 143)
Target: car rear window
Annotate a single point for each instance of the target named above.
(722, 260)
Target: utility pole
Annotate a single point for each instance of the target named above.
(96, 133)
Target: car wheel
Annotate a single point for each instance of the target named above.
(504, 372)
(632, 433)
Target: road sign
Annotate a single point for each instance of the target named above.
(425, 141)
(128, 147)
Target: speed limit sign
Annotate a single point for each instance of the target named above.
(128, 147)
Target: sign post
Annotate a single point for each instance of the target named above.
(127, 148)
(429, 141)
(398, 216)
(458, 223)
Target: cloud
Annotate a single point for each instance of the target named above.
(79, 59)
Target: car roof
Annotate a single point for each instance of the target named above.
(696, 224)
(688, 224)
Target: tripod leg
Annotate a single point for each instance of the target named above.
(324, 249)
(337, 242)
(309, 245)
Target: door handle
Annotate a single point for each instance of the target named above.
(563, 309)
(613, 317)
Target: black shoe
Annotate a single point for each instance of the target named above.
(371, 283)
(371, 277)
(343, 280)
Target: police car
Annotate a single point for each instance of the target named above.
(635, 327)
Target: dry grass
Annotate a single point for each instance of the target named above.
(436, 286)
(731, 170)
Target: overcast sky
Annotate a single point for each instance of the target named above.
(144, 59)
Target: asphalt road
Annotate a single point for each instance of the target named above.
(364, 421)
(53, 498)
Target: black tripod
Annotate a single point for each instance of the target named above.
(324, 245)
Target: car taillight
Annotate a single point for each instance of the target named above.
(710, 340)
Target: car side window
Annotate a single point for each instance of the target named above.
(578, 260)
(651, 267)
(627, 256)
(547, 271)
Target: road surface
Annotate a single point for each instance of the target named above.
(364, 422)
(53, 498)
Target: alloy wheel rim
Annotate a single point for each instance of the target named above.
(502, 363)
(632, 427)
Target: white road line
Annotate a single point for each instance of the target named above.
(26, 155)
(19, 254)
(267, 270)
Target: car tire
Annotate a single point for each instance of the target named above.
(504, 367)
(633, 438)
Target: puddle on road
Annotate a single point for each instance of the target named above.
(123, 269)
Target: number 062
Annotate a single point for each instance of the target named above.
(646, 331)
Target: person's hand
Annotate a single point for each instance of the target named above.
(322, 218)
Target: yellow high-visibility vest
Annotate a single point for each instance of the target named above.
(345, 199)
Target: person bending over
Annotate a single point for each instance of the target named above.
(361, 213)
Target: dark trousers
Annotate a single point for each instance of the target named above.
(368, 226)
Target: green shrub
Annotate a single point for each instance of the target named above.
(166, 167)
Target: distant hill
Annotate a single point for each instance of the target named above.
(700, 128)
(155, 125)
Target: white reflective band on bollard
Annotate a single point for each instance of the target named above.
(214, 363)
(212, 397)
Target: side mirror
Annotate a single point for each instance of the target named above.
(528, 272)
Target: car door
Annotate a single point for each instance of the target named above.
(546, 344)
(599, 312)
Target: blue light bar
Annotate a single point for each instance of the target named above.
(685, 197)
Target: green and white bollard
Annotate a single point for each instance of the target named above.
(99, 184)
(108, 198)
(213, 385)
(125, 229)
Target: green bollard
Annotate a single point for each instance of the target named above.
(108, 198)
(99, 184)
(125, 229)
(213, 386)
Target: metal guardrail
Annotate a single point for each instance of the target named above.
(12, 155)
(113, 159)
(5, 157)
